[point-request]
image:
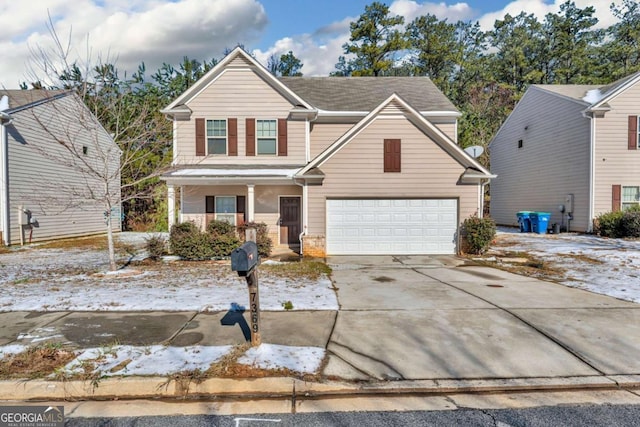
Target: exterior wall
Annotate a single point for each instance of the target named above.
(447, 127)
(614, 163)
(553, 161)
(325, 134)
(239, 93)
(356, 171)
(267, 203)
(44, 180)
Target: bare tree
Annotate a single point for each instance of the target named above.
(105, 132)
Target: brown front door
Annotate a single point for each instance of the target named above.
(290, 224)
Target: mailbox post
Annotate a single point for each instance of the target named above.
(244, 260)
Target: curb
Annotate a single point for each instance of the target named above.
(129, 388)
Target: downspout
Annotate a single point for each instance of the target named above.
(5, 213)
(592, 174)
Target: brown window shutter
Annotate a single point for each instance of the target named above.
(200, 138)
(232, 124)
(392, 155)
(282, 137)
(632, 142)
(616, 190)
(241, 202)
(251, 137)
(210, 204)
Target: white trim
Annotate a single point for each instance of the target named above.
(175, 141)
(307, 141)
(334, 113)
(180, 214)
(280, 196)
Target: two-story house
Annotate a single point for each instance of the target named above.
(571, 150)
(338, 165)
(59, 168)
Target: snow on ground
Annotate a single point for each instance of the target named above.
(605, 266)
(123, 360)
(36, 279)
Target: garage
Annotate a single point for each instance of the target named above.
(391, 226)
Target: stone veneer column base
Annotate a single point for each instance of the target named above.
(314, 246)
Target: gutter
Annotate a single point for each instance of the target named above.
(592, 167)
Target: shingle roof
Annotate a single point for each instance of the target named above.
(22, 98)
(571, 91)
(366, 93)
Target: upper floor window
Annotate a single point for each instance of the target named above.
(266, 134)
(216, 137)
(630, 197)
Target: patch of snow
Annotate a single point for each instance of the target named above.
(11, 349)
(593, 96)
(604, 266)
(151, 360)
(271, 262)
(288, 173)
(273, 356)
(37, 279)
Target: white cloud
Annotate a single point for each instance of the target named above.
(130, 31)
(411, 9)
(540, 8)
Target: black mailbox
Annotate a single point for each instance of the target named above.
(244, 259)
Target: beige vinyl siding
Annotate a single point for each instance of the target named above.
(448, 128)
(325, 134)
(356, 171)
(615, 164)
(44, 180)
(240, 93)
(553, 162)
(267, 202)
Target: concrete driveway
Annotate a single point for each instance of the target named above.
(411, 318)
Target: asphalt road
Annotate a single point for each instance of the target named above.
(582, 415)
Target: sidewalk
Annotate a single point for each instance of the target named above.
(404, 326)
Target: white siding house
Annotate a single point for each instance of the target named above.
(59, 169)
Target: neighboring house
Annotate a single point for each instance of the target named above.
(571, 146)
(53, 154)
(343, 165)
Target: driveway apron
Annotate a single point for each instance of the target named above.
(437, 318)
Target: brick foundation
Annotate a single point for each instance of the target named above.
(314, 246)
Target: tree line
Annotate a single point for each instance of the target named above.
(483, 73)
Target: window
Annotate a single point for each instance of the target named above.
(520, 143)
(630, 197)
(216, 137)
(226, 209)
(392, 155)
(266, 136)
(85, 150)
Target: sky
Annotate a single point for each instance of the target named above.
(128, 32)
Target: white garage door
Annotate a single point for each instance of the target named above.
(394, 227)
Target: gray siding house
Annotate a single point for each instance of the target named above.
(59, 168)
(334, 165)
(571, 146)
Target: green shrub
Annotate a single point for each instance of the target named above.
(478, 233)
(609, 224)
(630, 223)
(224, 238)
(187, 241)
(156, 246)
(264, 242)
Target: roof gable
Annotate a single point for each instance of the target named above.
(392, 105)
(236, 58)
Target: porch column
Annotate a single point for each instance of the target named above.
(171, 206)
(250, 203)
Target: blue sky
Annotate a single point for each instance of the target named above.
(128, 32)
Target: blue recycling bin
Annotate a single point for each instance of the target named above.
(524, 221)
(539, 221)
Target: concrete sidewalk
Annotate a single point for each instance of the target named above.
(428, 324)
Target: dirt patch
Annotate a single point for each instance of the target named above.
(35, 362)
(384, 279)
